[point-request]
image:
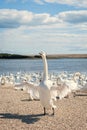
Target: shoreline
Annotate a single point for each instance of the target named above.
(49, 56)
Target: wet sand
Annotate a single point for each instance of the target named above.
(18, 113)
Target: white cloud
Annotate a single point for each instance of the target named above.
(30, 33)
(27, 40)
(74, 17)
(78, 3)
(12, 18)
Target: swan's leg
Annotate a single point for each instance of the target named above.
(53, 111)
(44, 111)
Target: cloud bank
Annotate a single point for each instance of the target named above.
(30, 32)
(12, 18)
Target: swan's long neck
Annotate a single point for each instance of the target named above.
(45, 74)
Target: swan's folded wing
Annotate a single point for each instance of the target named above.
(26, 84)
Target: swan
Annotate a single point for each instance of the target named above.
(2, 80)
(45, 93)
(75, 84)
(45, 88)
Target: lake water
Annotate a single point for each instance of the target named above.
(54, 65)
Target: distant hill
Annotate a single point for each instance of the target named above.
(54, 56)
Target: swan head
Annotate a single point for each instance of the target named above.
(42, 54)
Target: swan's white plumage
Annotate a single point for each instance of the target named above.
(44, 88)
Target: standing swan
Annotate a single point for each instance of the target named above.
(44, 88)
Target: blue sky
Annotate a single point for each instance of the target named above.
(53, 26)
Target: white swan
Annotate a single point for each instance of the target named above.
(45, 93)
(71, 83)
(44, 88)
(75, 84)
(2, 80)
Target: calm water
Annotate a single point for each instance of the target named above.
(55, 65)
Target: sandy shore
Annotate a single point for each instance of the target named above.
(18, 113)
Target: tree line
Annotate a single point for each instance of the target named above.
(11, 56)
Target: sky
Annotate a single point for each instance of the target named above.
(54, 26)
